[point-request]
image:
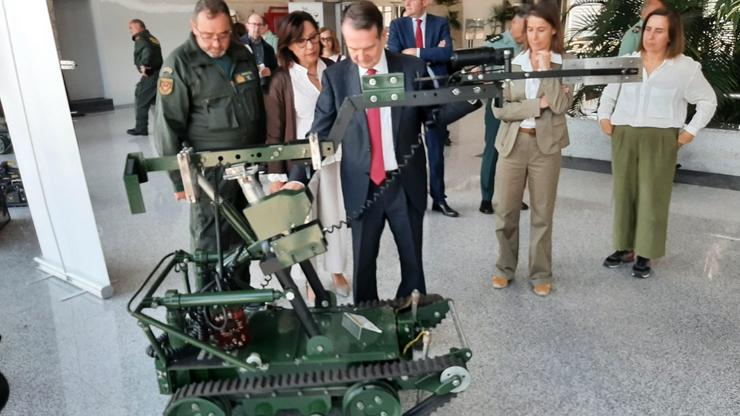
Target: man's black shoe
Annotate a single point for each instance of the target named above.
(641, 268)
(444, 209)
(486, 207)
(524, 206)
(135, 132)
(618, 258)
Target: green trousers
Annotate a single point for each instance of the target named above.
(643, 167)
(145, 94)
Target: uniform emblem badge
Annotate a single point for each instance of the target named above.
(165, 86)
(167, 70)
(239, 79)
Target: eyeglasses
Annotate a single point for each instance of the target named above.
(326, 39)
(210, 37)
(303, 42)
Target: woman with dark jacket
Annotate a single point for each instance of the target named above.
(290, 103)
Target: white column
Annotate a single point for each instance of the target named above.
(36, 110)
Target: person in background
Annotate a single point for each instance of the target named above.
(631, 39)
(514, 39)
(427, 37)
(294, 90)
(209, 97)
(148, 61)
(532, 133)
(263, 52)
(329, 45)
(647, 126)
(268, 36)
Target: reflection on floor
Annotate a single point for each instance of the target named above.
(602, 344)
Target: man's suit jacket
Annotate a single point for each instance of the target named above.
(402, 35)
(342, 80)
(551, 129)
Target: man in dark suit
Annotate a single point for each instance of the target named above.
(374, 148)
(427, 37)
(262, 51)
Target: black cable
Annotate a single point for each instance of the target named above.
(378, 192)
(146, 281)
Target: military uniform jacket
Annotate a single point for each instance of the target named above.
(502, 41)
(147, 52)
(199, 103)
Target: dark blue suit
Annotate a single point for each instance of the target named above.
(404, 202)
(402, 35)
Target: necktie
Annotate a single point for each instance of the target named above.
(419, 36)
(377, 168)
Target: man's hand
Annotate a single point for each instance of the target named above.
(180, 196)
(684, 138)
(442, 43)
(143, 69)
(265, 72)
(290, 186)
(607, 127)
(409, 51)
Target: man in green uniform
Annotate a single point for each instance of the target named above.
(631, 39)
(209, 98)
(148, 61)
(512, 38)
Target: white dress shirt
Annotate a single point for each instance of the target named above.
(305, 96)
(661, 99)
(386, 121)
(532, 85)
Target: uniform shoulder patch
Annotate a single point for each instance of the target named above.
(166, 70)
(166, 85)
(153, 40)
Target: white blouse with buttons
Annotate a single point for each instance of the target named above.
(661, 99)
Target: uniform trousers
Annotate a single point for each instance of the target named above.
(145, 94)
(527, 166)
(643, 168)
(490, 155)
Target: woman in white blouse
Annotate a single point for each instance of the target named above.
(647, 125)
(290, 104)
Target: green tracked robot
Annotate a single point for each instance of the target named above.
(235, 352)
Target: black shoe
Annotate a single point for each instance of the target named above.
(486, 207)
(619, 257)
(524, 206)
(444, 209)
(135, 132)
(641, 268)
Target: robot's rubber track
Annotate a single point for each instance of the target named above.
(267, 384)
(430, 404)
(395, 303)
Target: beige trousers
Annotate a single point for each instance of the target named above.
(526, 166)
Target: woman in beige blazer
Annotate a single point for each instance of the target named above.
(532, 132)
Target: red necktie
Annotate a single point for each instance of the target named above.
(377, 168)
(419, 36)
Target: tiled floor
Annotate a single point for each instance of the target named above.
(602, 344)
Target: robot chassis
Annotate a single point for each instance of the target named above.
(224, 351)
